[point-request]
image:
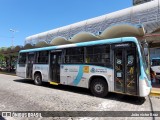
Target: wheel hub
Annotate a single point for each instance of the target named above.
(99, 88)
(37, 79)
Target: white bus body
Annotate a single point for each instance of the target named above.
(121, 67)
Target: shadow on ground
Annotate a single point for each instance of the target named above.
(112, 96)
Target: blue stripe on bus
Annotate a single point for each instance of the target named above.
(79, 76)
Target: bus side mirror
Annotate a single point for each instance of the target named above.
(146, 51)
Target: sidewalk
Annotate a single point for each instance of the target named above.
(155, 90)
(8, 73)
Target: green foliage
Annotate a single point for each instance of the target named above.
(2, 60)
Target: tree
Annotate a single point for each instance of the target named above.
(1, 59)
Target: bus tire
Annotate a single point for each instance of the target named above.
(99, 87)
(38, 79)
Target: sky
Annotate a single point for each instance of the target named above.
(29, 17)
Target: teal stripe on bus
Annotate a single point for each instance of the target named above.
(79, 76)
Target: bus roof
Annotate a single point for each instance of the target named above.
(90, 43)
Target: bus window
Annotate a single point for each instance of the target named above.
(74, 55)
(22, 58)
(98, 54)
(42, 57)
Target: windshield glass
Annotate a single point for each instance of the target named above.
(145, 60)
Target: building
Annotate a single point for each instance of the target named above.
(137, 2)
(147, 14)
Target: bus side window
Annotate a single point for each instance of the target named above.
(42, 57)
(22, 58)
(98, 54)
(74, 55)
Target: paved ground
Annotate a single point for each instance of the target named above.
(18, 94)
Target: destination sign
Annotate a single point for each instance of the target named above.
(122, 45)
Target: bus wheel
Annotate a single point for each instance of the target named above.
(38, 79)
(99, 87)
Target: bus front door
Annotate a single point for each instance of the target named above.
(30, 65)
(55, 66)
(125, 71)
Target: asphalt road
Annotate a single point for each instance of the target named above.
(17, 94)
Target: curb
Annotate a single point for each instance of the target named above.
(155, 93)
(5, 73)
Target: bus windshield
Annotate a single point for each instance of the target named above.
(145, 59)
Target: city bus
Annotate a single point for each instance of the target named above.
(110, 65)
